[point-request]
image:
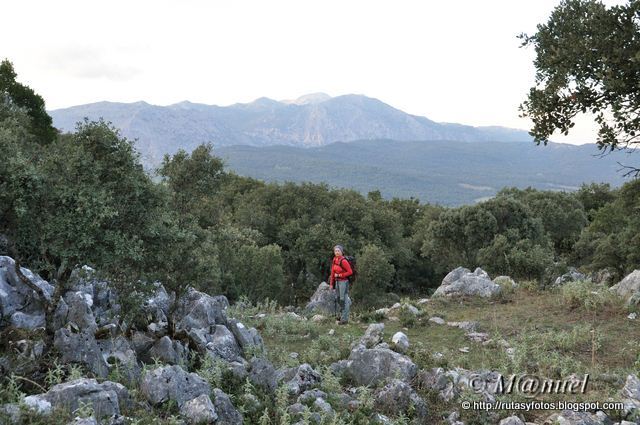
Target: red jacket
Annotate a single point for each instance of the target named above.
(342, 266)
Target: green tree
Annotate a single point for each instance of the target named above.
(587, 60)
(375, 274)
(24, 97)
(612, 240)
(194, 180)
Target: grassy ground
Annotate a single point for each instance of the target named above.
(555, 333)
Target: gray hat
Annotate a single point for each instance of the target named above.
(340, 247)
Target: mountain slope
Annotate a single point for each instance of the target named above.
(312, 120)
(443, 172)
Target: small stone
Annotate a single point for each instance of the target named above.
(437, 320)
(463, 349)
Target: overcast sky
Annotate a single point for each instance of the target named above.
(449, 61)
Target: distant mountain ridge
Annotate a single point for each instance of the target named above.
(442, 172)
(309, 121)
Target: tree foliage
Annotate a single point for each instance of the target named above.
(24, 97)
(587, 61)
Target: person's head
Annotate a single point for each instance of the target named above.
(338, 250)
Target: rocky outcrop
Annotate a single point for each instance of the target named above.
(572, 275)
(106, 399)
(462, 282)
(322, 301)
(373, 335)
(631, 395)
(299, 379)
(227, 414)
(80, 348)
(199, 411)
(629, 288)
(197, 310)
(248, 338)
(172, 383)
(263, 374)
(20, 305)
(400, 342)
(371, 366)
(398, 397)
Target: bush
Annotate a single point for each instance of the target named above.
(374, 275)
(588, 295)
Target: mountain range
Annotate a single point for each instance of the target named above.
(311, 120)
(354, 141)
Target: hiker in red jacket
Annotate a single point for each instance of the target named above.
(339, 276)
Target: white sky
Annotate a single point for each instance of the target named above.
(449, 61)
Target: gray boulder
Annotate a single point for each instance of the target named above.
(197, 310)
(512, 420)
(602, 276)
(167, 351)
(321, 406)
(631, 395)
(373, 335)
(23, 320)
(223, 344)
(105, 306)
(78, 311)
(19, 304)
(309, 396)
(300, 379)
(322, 301)
(263, 374)
(80, 348)
(462, 282)
(106, 399)
(247, 338)
(437, 380)
(199, 411)
(159, 303)
(398, 397)
(141, 342)
(172, 383)
(629, 287)
(400, 342)
(227, 413)
(570, 276)
(570, 417)
(118, 354)
(372, 366)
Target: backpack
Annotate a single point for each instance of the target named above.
(352, 262)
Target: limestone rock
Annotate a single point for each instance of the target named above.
(371, 366)
(571, 276)
(106, 398)
(263, 374)
(172, 383)
(373, 335)
(299, 379)
(197, 310)
(400, 342)
(227, 413)
(462, 282)
(80, 348)
(199, 411)
(322, 301)
(629, 287)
